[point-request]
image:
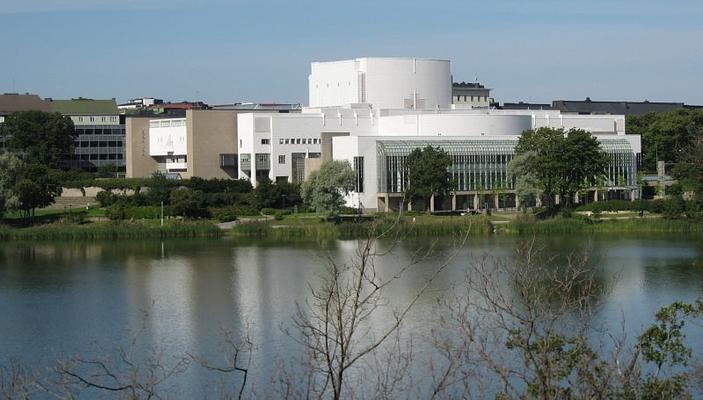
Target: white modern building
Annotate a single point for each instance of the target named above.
(374, 111)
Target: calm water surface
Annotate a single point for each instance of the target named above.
(59, 299)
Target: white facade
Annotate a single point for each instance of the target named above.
(357, 106)
(408, 83)
(168, 144)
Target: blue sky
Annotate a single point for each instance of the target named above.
(224, 51)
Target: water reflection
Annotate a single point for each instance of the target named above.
(58, 297)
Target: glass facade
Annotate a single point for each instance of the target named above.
(479, 165)
(95, 146)
(98, 146)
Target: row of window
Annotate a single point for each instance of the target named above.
(466, 98)
(103, 131)
(91, 157)
(101, 118)
(299, 141)
(96, 143)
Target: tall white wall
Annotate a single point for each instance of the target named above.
(382, 82)
(335, 83)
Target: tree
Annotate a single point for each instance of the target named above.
(39, 137)
(324, 190)
(276, 195)
(265, 194)
(530, 338)
(11, 167)
(186, 202)
(108, 170)
(335, 324)
(159, 189)
(427, 174)
(558, 162)
(689, 170)
(527, 187)
(36, 187)
(666, 136)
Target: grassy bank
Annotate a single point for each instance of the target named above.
(111, 230)
(407, 226)
(587, 225)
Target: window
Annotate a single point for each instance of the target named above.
(265, 141)
(240, 143)
(287, 141)
(92, 119)
(316, 141)
(280, 141)
(359, 169)
(282, 159)
(297, 141)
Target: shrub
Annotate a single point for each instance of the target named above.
(119, 212)
(187, 203)
(224, 214)
(278, 215)
(106, 198)
(674, 207)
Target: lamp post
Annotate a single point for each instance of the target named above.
(284, 201)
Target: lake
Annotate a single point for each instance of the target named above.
(58, 299)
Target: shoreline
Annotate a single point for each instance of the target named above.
(314, 229)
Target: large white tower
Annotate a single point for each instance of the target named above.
(410, 83)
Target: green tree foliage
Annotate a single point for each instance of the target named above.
(527, 185)
(159, 189)
(689, 169)
(39, 137)
(559, 162)
(36, 187)
(276, 195)
(216, 185)
(325, 189)
(427, 173)
(186, 202)
(10, 170)
(666, 136)
(265, 194)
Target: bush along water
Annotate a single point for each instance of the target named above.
(111, 230)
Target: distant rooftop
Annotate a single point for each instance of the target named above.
(257, 106)
(82, 106)
(474, 85)
(183, 105)
(526, 106)
(11, 102)
(589, 106)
